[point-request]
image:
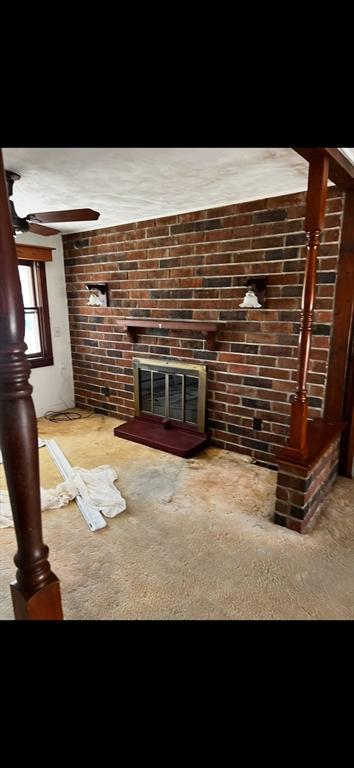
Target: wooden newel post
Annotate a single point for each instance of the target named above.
(36, 591)
(297, 446)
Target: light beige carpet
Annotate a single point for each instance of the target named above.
(195, 542)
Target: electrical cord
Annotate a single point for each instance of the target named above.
(65, 415)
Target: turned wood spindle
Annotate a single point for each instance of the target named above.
(36, 592)
(297, 446)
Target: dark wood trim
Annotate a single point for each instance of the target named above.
(346, 455)
(36, 591)
(45, 358)
(339, 401)
(41, 362)
(320, 435)
(297, 446)
(46, 337)
(316, 194)
(34, 252)
(343, 317)
(341, 170)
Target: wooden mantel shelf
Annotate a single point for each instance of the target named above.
(207, 329)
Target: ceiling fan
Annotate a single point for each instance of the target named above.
(33, 221)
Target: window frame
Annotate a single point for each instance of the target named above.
(39, 281)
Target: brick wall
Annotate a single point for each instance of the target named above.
(300, 491)
(194, 266)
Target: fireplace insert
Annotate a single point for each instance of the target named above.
(170, 390)
(170, 406)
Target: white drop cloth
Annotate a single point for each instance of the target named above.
(96, 486)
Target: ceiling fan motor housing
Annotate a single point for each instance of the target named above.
(18, 224)
(11, 176)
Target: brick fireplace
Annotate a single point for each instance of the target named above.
(192, 268)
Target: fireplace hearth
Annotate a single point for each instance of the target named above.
(170, 407)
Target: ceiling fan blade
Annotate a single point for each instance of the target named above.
(78, 214)
(39, 230)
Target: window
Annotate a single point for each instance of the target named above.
(35, 301)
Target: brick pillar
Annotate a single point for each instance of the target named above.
(300, 489)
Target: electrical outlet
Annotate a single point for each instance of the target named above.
(257, 424)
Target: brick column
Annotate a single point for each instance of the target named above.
(301, 489)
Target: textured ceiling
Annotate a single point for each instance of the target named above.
(128, 184)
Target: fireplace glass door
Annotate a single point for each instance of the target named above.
(173, 391)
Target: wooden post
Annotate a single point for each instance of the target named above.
(346, 454)
(36, 591)
(339, 403)
(297, 447)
